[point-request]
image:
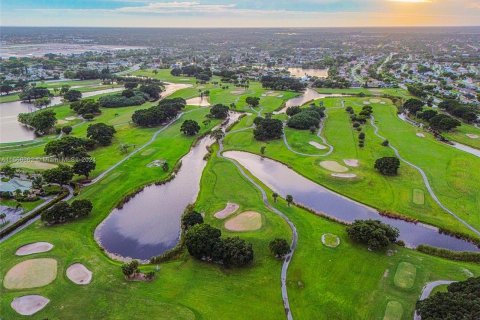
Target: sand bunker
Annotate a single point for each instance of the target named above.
(375, 100)
(70, 118)
(344, 175)
(198, 101)
(79, 274)
(238, 92)
(351, 162)
(31, 273)
(317, 145)
(421, 135)
(330, 240)
(366, 102)
(472, 136)
(28, 305)
(245, 221)
(333, 166)
(36, 247)
(61, 122)
(228, 210)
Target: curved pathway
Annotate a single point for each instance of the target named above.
(319, 135)
(427, 290)
(293, 245)
(425, 180)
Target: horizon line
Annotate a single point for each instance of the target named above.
(233, 27)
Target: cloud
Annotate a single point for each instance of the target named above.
(176, 7)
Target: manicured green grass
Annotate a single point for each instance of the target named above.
(460, 135)
(394, 311)
(9, 97)
(418, 196)
(440, 288)
(26, 205)
(405, 275)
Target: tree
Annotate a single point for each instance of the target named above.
(72, 95)
(37, 182)
(253, 101)
(201, 240)
(373, 233)
(130, 85)
(388, 166)
(442, 122)
(62, 175)
(42, 102)
(41, 121)
(101, 133)
(67, 129)
(130, 269)
(275, 196)
(267, 129)
(6, 88)
(81, 208)
(8, 170)
(236, 252)
(191, 218)
(69, 146)
(190, 127)
(218, 111)
(289, 199)
(84, 167)
(279, 247)
(291, 111)
(85, 106)
(461, 301)
(217, 134)
(413, 105)
(153, 90)
(58, 213)
(165, 166)
(304, 120)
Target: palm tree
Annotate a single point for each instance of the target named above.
(275, 196)
(289, 199)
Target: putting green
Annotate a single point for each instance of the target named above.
(148, 152)
(245, 221)
(330, 240)
(394, 311)
(418, 196)
(405, 275)
(333, 166)
(31, 273)
(34, 165)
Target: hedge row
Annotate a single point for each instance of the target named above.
(452, 255)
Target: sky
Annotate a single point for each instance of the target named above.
(246, 13)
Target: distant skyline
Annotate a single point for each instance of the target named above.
(247, 13)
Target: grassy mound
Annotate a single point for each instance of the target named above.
(405, 275)
(394, 311)
(418, 196)
(245, 221)
(31, 273)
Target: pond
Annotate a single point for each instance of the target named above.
(13, 131)
(284, 180)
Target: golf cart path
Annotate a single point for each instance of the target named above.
(427, 290)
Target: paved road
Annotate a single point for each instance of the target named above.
(293, 245)
(427, 289)
(425, 180)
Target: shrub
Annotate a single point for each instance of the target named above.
(387, 166)
(279, 247)
(373, 233)
(267, 129)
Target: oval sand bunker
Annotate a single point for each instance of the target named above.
(317, 145)
(31, 273)
(28, 305)
(333, 166)
(245, 221)
(351, 162)
(79, 274)
(36, 247)
(228, 210)
(344, 175)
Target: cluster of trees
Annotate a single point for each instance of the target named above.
(361, 117)
(86, 74)
(279, 247)
(167, 109)
(375, 234)
(124, 99)
(455, 108)
(252, 101)
(72, 95)
(267, 128)
(332, 82)
(6, 88)
(101, 133)
(202, 74)
(304, 119)
(413, 105)
(190, 127)
(30, 93)
(204, 242)
(461, 301)
(282, 83)
(218, 111)
(61, 175)
(438, 122)
(443, 122)
(63, 212)
(41, 121)
(69, 147)
(86, 106)
(419, 90)
(388, 166)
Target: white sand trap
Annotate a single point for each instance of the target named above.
(228, 210)
(472, 136)
(238, 92)
(198, 101)
(71, 118)
(317, 145)
(382, 102)
(366, 102)
(351, 162)
(36, 247)
(79, 274)
(375, 100)
(333, 166)
(245, 221)
(60, 122)
(31, 273)
(344, 175)
(421, 135)
(28, 305)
